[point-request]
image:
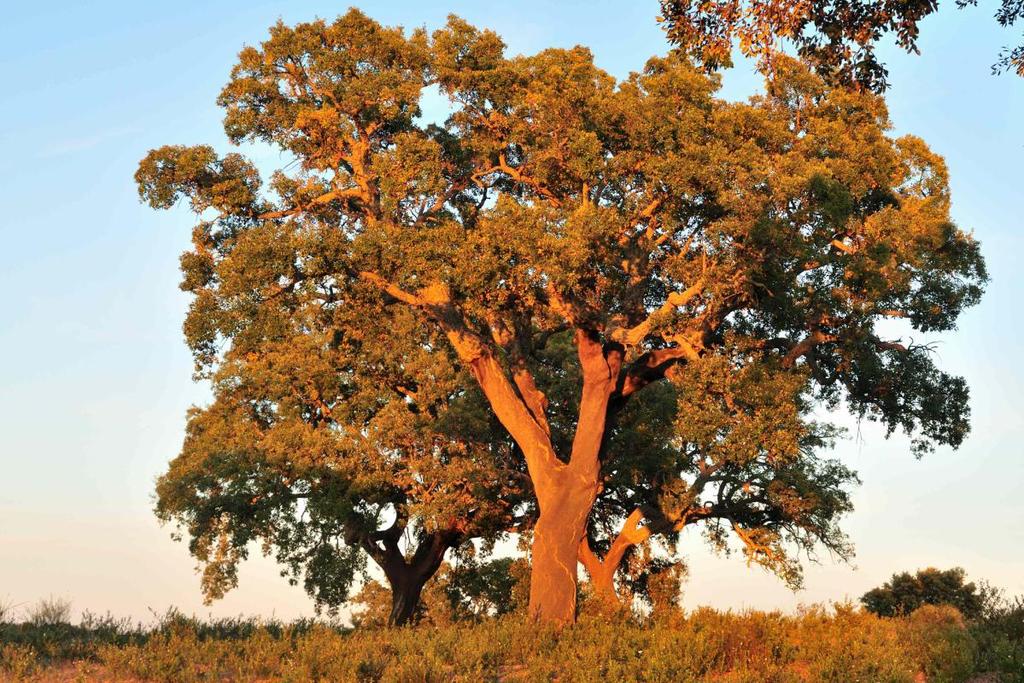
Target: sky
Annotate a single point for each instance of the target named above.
(95, 377)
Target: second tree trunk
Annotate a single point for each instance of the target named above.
(405, 599)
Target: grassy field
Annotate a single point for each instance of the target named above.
(838, 644)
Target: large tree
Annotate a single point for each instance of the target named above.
(838, 37)
(656, 225)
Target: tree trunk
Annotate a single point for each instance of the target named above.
(602, 582)
(405, 598)
(565, 491)
(602, 571)
(406, 578)
(556, 540)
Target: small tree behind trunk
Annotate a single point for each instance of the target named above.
(407, 577)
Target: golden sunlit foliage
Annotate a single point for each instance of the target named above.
(647, 287)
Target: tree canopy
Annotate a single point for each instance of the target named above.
(837, 37)
(737, 455)
(730, 250)
(324, 454)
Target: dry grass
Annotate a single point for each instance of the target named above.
(841, 644)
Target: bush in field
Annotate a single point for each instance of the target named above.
(999, 635)
(904, 593)
(50, 611)
(6, 611)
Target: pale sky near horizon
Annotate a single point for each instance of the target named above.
(95, 377)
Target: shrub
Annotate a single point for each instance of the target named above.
(947, 652)
(904, 593)
(999, 635)
(17, 660)
(50, 611)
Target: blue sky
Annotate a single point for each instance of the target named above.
(95, 378)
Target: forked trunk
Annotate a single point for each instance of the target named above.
(565, 491)
(556, 540)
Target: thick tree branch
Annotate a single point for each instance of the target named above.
(805, 346)
(889, 346)
(347, 194)
(631, 534)
(517, 174)
(508, 405)
(392, 289)
(643, 215)
(652, 366)
(588, 558)
(600, 365)
(512, 341)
